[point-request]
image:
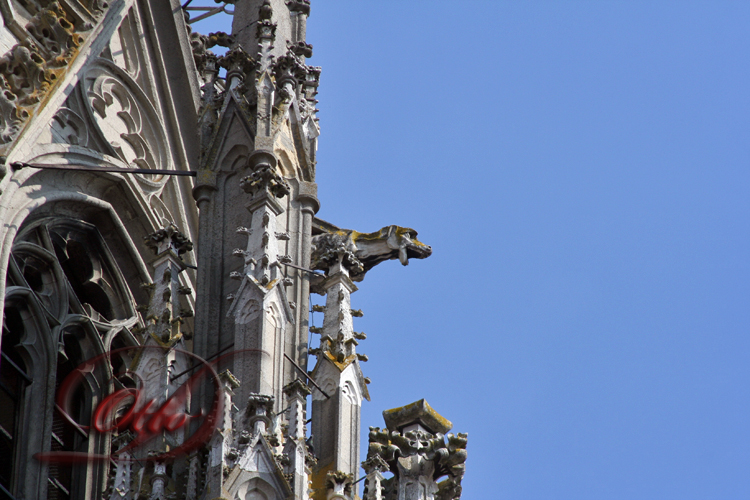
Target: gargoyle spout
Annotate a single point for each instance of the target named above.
(370, 249)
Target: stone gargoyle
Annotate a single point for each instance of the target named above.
(368, 249)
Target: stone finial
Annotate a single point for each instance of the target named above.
(266, 11)
(259, 412)
(375, 463)
(333, 248)
(238, 64)
(418, 412)
(339, 485)
(265, 178)
(417, 453)
(169, 237)
(374, 468)
(297, 388)
(289, 69)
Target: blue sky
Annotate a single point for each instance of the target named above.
(581, 172)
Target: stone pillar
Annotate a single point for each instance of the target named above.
(336, 414)
(260, 308)
(209, 287)
(299, 11)
(191, 490)
(159, 482)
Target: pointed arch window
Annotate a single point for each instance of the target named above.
(66, 302)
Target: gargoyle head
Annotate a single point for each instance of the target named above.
(405, 240)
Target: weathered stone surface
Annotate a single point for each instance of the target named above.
(93, 261)
(416, 451)
(369, 249)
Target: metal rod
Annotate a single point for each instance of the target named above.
(72, 422)
(196, 366)
(302, 370)
(318, 273)
(189, 266)
(184, 6)
(6, 492)
(18, 368)
(360, 479)
(207, 14)
(189, 173)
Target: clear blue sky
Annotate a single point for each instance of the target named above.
(581, 172)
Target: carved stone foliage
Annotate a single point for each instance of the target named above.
(339, 485)
(201, 43)
(237, 62)
(289, 68)
(327, 249)
(167, 237)
(426, 465)
(30, 69)
(52, 29)
(125, 117)
(265, 178)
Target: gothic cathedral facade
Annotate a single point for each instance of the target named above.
(158, 248)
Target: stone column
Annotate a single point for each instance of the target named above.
(221, 442)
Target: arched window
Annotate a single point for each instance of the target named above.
(66, 302)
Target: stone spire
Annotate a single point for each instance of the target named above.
(164, 315)
(336, 413)
(154, 367)
(260, 307)
(289, 17)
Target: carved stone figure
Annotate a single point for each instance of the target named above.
(370, 249)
